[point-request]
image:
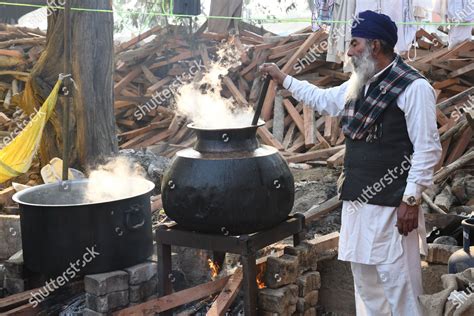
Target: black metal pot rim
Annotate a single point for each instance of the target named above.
(199, 128)
(17, 196)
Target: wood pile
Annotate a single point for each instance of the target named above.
(20, 48)
(150, 67)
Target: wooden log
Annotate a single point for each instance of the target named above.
(326, 242)
(268, 139)
(445, 199)
(137, 39)
(295, 115)
(309, 120)
(455, 99)
(317, 212)
(431, 204)
(235, 91)
(227, 295)
(337, 159)
(267, 105)
(461, 145)
(278, 119)
(315, 155)
(462, 71)
(289, 136)
(449, 169)
(171, 301)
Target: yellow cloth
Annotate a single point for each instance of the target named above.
(16, 157)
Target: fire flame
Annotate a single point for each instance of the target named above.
(260, 273)
(214, 268)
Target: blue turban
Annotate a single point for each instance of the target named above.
(372, 25)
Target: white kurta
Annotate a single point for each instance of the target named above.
(368, 237)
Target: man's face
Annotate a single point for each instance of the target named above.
(359, 51)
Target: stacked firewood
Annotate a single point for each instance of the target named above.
(20, 48)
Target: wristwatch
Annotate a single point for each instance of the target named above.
(411, 200)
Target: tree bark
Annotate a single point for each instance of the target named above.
(92, 125)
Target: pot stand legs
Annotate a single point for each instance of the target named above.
(246, 245)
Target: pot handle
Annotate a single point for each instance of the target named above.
(134, 211)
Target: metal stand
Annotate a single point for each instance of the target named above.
(245, 245)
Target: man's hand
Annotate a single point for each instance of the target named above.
(407, 218)
(273, 71)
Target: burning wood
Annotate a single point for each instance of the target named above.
(215, 268)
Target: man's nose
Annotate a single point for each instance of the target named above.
(350, 52)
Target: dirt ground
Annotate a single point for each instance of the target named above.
(313, 187)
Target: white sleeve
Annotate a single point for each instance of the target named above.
(418, 102)
(326, 101)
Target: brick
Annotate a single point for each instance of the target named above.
(14, 266)
(104, 283)
(310, 300)
(438, 253)
(90, 312)
(281, 271)
(10, 235)
(308, 282)
(305, 256)
(278, 300)
(142, 272)
(107, 303)
(140, 293)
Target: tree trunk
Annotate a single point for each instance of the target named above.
(92, 125)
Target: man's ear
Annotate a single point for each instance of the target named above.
(377, 47)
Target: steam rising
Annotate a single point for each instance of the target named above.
(117, 179)
(201, 101)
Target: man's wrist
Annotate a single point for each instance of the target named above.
(411, 200)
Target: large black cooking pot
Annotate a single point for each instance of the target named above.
(58, 229)
(228, 184)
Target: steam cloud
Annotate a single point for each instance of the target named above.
(201, 101)
(117, 179)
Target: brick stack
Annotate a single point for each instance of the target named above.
(292, 283)
(111, 291)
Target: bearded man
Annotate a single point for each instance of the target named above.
(392, 145)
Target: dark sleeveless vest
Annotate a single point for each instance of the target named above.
(368, 161)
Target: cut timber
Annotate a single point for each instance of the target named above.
(431, 204)
(278, 119)
(462, 71)
(268, 138)
(455, 99)
(235, 92)
(309, 127)
(315, 155)
(137, 39)
(326, 242)
(267, 105)
(174, 300)
(449, 169)
(461, 145)
(446, 83)
(227, 295)
(153, 140)
(317, 212)
(336, 159)
(126, 80)
(295, 115)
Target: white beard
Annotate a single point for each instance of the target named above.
(364, 68)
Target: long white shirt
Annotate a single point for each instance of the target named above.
(369, 235)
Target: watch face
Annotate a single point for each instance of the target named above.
(412, 200)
